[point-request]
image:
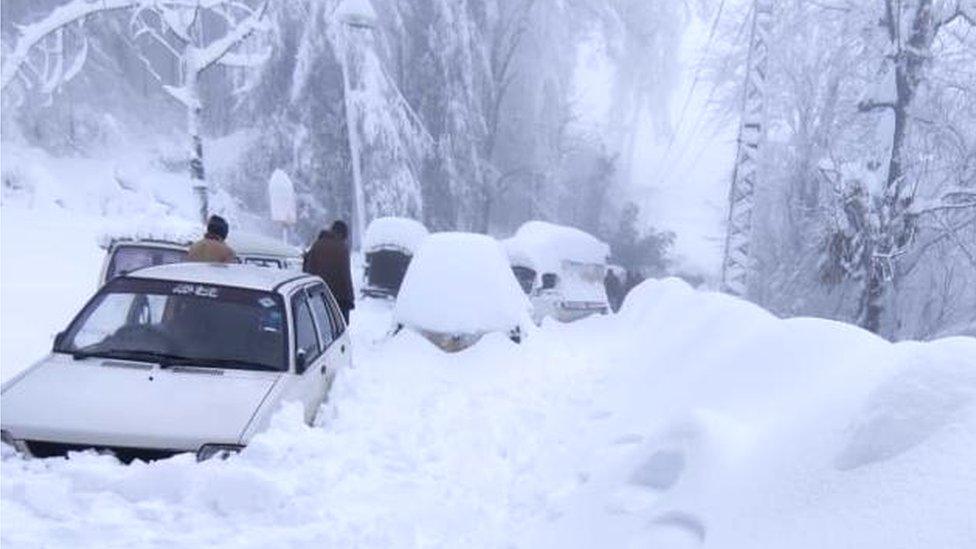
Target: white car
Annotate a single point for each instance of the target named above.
(188, 357)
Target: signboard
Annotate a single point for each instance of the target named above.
(281, 194)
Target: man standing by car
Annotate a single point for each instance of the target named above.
(328, 258)
(212, 248)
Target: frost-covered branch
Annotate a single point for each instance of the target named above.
(964, 10)
(60, 18)
(957, 198)
(213, 52)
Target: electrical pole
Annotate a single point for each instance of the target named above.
(736, 265)
(358, 21)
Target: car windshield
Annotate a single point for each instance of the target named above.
(525, 277)
(128, 258)
(263, 262)
(176, 323)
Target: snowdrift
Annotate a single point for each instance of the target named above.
(738, 429)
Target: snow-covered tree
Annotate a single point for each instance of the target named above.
(870, 162)
(195, 35)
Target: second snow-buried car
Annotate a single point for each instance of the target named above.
(179, 358)
(458, 288)
(388, 247)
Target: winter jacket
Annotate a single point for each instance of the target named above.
(328, 258)
(211, 250)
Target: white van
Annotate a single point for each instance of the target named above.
(562, 270)
(125, 253)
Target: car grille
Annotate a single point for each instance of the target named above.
(44, 449)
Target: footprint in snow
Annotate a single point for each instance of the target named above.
(677, 529)
(661, 470)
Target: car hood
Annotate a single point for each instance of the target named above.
(121, 403)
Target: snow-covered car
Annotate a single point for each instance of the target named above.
(125, 253)
(562, 270)
(458, 288)
(389, 245)
(188, 357)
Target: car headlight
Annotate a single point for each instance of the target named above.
(222, 451)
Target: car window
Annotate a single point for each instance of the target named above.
(525, 277)
(126, 259)
(338, 322)
(320, 310)
(305, 337)
(263, 262)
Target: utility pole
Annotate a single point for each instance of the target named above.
(358, 20)
(736, 266)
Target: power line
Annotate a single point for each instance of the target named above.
(668, 168)
(696, 79)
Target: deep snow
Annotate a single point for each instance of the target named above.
(690, 419)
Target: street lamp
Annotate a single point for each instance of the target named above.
(358, 19)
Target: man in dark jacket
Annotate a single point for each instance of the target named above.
(615, 290)
(328, 258)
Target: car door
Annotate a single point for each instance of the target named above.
(341, 335)
(309, 358)
(333, 350)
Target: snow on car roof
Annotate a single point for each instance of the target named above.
(173, 230)
(396, 232)
(460, 283)
(544, 246)
(221, 274)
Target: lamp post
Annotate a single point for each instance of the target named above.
(357, 18)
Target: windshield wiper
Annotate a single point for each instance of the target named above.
(232, 363)
(121, 354)
(166, 360)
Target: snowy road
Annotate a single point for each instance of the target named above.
(689, 420)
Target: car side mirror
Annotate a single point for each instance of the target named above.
(549, 281)
(300, 361)
(58, 340)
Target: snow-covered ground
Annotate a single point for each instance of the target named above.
(690, 419)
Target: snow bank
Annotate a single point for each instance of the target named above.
(460, 283)
(731, 428)
(544, 246)
(394, 232)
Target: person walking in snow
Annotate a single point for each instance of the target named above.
(212, 248)
(615, 289)
(328, 258)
